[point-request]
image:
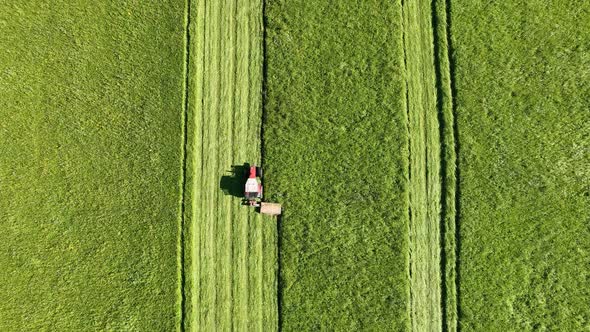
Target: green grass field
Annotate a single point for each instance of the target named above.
(89, 165)
(432, 159)
(523, 92)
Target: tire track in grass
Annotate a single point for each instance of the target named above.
(225, 161)
(425, 184)
(183, 231)
(441, 31)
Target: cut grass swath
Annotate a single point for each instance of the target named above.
(424, 172)
(231, 282)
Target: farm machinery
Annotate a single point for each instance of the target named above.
(253, 190)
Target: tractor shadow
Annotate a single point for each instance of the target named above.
(233, 183)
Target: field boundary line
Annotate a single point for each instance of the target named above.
(409, 153)
(457, 233)
(183, 178)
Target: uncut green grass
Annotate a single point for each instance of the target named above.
(230, 262)
(335, 154)
(523, 95)
(90, 162)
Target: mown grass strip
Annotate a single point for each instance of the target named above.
(424, 177)
(242, 153)
(195, 165)
(182, 224)
(225, 155)
(233, 274)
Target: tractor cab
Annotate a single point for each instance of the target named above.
(253, 187)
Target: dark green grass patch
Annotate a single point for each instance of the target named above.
(90, 145)
(335, 154)
(523, 95)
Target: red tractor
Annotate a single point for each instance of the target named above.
(253, 193)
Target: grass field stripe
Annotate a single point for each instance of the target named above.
(222, 211)
(252, 298)
(454, 220)
(424, 165)
(230, 264)
(229, 278)
(410, 164)
(406, 102)
(222, 215)
(246, 104)
(440, 11)
(205, 307)
(271, 230)
(241, 307)
(234, 160)
(255, 112)
(202, 221)
(231, 36)
(210, 301)
(230, 49)
(183, 177)
(197, 151)
(216, 113)
(433, 162)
